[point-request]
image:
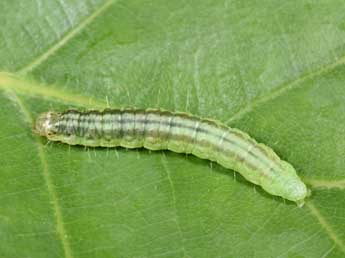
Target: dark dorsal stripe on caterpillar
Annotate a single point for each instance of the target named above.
(179, 132)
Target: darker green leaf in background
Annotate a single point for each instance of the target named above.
(275, 69)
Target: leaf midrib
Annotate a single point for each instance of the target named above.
(60, 229)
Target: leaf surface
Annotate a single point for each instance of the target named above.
(274, 70)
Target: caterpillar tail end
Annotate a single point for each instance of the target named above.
(308, 192)
(301, 202)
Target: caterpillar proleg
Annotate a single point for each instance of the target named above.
(179, 132)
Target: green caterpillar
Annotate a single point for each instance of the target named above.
(178, 132)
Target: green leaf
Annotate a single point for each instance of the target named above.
(275, 69)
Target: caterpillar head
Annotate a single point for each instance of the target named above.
(45, 124)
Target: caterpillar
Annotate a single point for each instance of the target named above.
(156, 129)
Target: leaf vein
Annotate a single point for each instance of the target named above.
(167, 171)
(326, 226)
(46, 175)
(323, 183)
(68, 36)
(19, 85)
(280, 90)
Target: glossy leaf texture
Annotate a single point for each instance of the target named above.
(275, 69)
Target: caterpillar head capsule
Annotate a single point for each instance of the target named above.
(45, 124)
